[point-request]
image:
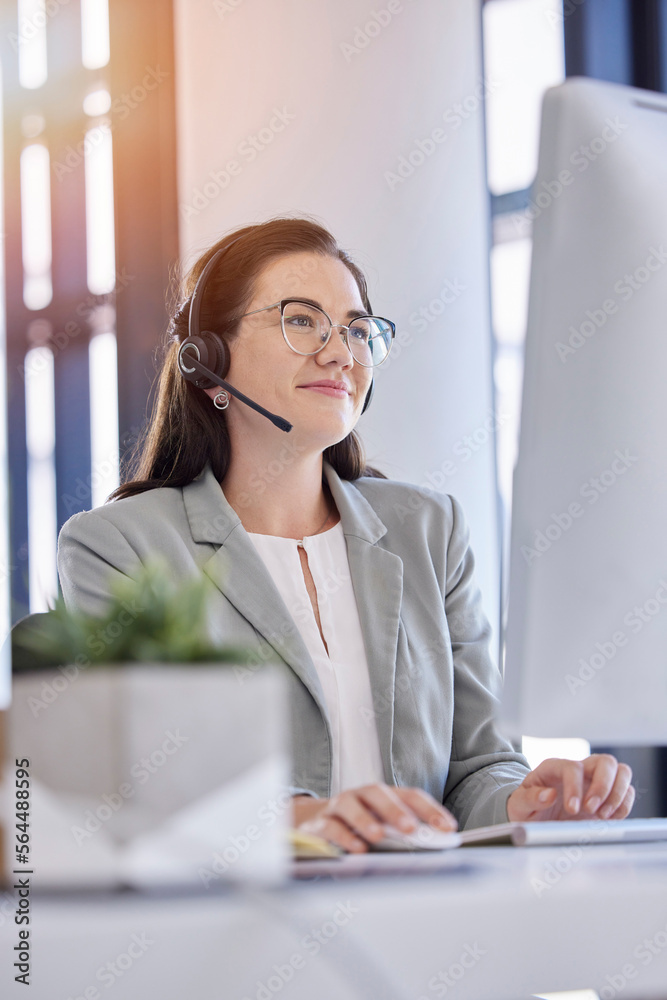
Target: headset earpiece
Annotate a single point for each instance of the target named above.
(211, 351)
(369, 396)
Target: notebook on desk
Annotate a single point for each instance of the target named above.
(596, 831)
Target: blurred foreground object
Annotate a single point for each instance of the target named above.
(168, 770)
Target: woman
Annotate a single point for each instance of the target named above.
(312, 558)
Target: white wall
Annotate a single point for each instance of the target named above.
(360, 100)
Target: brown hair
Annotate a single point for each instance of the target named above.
(185, 431)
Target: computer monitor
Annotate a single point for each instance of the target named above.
(586, 641)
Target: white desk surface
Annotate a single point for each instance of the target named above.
(494, 923)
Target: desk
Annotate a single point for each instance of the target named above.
(491, 924)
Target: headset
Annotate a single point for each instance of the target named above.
(203, 357)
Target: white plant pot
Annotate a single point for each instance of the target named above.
(151, 774)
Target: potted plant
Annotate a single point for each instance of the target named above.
(152, 757)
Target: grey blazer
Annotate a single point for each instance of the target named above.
(433, 682)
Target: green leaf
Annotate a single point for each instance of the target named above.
(149, 619)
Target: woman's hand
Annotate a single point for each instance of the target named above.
(353, 819)
(595, 788)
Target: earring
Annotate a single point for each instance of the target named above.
(221, 401)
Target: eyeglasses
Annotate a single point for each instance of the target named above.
(307, 330)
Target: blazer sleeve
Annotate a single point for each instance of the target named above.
(484, 767)
(92, 554)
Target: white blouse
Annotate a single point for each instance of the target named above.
(343, 671)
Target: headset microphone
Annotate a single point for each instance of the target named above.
(188, 349)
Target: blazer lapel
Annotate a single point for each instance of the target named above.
(377, 578)
(238, 572)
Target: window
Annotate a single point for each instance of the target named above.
(524, 55)
(60, 282)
